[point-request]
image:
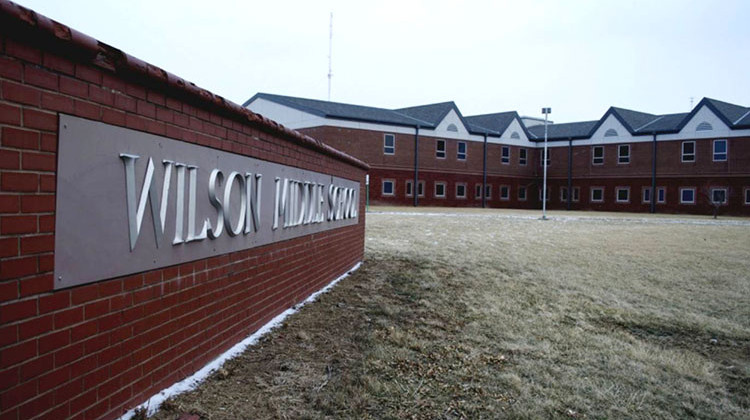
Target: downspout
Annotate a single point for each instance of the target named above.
(484, 173)
(653, 175)
(415, 187)
(570, 172)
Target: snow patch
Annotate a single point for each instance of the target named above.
(192, 381)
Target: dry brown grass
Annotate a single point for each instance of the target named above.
(488, 314)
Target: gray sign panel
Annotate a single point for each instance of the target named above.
(129, 202)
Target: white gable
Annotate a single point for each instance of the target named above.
(508, 138)
(606, 132)
(282, 114)
(704, 115)
(452, 118)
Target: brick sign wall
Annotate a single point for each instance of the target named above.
(98, 349)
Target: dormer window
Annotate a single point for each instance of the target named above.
(704, 126)
(611, 133)
(452, 127)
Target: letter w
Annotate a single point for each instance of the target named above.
(148, 193)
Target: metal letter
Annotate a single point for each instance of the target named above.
(252, 216)
(148, 193)
(179, 223)
(215, 178)
(227, 204)
(192, 170)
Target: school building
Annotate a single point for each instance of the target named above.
(432, 155)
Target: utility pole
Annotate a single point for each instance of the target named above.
(330, 54)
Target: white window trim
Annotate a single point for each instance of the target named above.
(593, 155)
(619, 157)
(477, 196)
(406, 189)
(525, 159)
(458, 150)
(563, 199)
(682, 152)
(488, 189)
(444, 185)
(617, 195)
(726, 150)
(726, 195)
(573, 198)
(686, 189)
(420, 182)
(384, 144)
(746, 196)
(393, 188)
(644, 190)
(500, 191)
(438, 151)
(458, 184)
(591, 195)
(548, 193)
(656, 196)
(503, 158)
(525, 193)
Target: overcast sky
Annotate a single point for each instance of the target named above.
(578, 57)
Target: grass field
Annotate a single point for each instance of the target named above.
(485, 314)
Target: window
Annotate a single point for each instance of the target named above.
(504, 192)
(623, 153)
(389, 144)
(452, 127)
(611, 133)
(597, 194)
(564, 194)
(440, 189)
(720, 150)
(515, 135)
(521, 193)
(505, 155)
(623, 194)
(420, 188)
(488, 191)
(460, 190)
(597, 155)
(576, 194)
(409, 191)
(747, 195)
(541, 157)
(387, 187)
(719, 195)
(461, 154)
(646, 195)
(522, 156)
(704, 126)
(478, 191)
(540, 194)
(440, 149)
(688, 151)
(661, 195)
(687, 195)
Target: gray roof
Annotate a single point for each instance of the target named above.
(564, 131)
(432, 113)
(731, 112)
(664, 123)
(342, 111)
(633, 120)
(495, 123)
(429, 116)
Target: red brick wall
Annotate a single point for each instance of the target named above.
(96, 350)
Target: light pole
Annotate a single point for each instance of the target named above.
(546, 112)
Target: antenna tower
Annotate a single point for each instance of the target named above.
(330, 53)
